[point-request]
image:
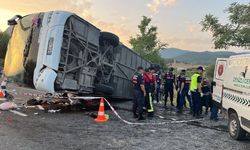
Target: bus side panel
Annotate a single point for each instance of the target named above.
(126, 62)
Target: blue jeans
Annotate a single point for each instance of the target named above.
(214, 112)
(182, 99)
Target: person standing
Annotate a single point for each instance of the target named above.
(169, 86)
(157, 75)
(183, 91)
(150, 81)
(206, 94)
(196, 92)
(177, 88)
(139, 93)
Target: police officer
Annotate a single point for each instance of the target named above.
(169, 86)
(196, 92)
(206, 94)
(139, 93)
(150, 81)
(183, 91)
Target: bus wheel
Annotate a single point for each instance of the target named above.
(235, 130)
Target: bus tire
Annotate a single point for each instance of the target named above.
(235, 130)
(110, 38)
(102, 88)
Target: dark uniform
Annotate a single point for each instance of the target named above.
(138, 102)
(196, 95)
(169, 87)
(177, 90)
(149, 80)
(184, 93)
(206, 91)
(158, 86)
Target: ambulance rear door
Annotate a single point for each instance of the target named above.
(220, 67)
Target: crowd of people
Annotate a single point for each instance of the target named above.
(151, 87)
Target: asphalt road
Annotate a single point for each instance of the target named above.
(77, 130)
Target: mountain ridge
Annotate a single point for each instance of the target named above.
(192, 57)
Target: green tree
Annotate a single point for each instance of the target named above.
(210, 71)
(236, 33)
(146, 42)
(4, 39)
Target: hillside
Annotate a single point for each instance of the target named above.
(172, 52)
(203, 58)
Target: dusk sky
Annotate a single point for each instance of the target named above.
(177, 20)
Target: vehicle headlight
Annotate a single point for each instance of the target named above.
(50, 46)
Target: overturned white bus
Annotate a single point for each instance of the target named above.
(58, 51)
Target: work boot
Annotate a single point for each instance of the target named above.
(206, 112)
(136, 116)
(179, 111)
(141, 117)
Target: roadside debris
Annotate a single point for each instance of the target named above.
(54, 111)
(8, 106)
(18, 113)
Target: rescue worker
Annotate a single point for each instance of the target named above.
(206, 94)
(149, 80)
(177, 88)
(196, 92)
(169, 86)
(183, 91)
(158, 85)
(139, 93)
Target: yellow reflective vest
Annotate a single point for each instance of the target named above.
(194, 82)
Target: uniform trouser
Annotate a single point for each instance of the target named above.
(178, 99)
(157, 95)
(138, 102)
(196, 100)
(206, 101)
(169, 92)
(149, 103)
(182, 100)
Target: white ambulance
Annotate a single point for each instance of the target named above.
(231, 91)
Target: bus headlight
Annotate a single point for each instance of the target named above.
(50, 46)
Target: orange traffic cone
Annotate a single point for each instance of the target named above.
(2, 94)
(101, 116)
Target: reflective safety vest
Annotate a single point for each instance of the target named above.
(194, 82)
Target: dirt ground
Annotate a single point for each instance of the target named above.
(77, 130)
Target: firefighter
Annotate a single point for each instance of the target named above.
(169, 86)
(139, 93)
(184, 84)
(196, 92)
(206, 94)
(149, 80)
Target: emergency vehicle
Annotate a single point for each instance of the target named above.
(231, 91)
